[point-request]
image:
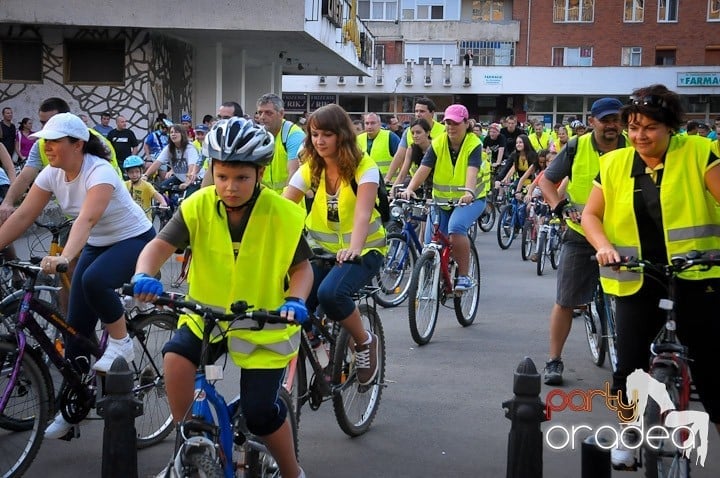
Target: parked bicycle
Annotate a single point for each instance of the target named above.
(28, 397)
(669, 366)
(213, 440)
(328, 350)
(432, 283)
(393, 280)
(511, 219)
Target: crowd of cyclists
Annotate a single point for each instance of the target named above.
(620, 183)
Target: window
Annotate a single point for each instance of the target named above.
(631, 56)
(433, 61)
(488, 10)
(665, 57)
(429, 12)
(95, 62)
(564, 56)
(379, 54)
(431, 9)
(667, 11)
(21, 61)
(634, 10)
(488, 53)
(434, 53)
(565, 11)
(713, 10)
(378, 9)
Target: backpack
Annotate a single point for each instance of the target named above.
(382, 205)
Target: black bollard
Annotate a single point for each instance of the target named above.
(595, 460)
(119, 408)
(526, 412)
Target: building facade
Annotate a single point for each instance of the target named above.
(547, 59)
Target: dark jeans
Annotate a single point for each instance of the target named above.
(175, 181)
(333, 287)
(99, 271)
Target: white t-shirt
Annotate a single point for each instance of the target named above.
(122, 219)
(181, 163)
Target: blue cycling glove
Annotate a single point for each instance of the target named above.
(146, 284)
(297, 305)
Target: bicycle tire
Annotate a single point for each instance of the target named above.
(261, 464)
(299, 388)
(472, 232)
(486, 221)
(595, 327)
(541, 253)
(204, 463)
(170, 273)
(506, 228)
(663, 463)
(466, 304)
(527, 241)
(396, 271)
(555, 249)
(610, 333)
(351, 396)
(425, 296)
(150, 333)
(33, 399)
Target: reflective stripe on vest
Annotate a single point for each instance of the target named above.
(448, 179)
(263, 257)
(690, 224)
(380, 150)
(333, 236)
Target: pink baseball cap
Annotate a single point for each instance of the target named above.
(456, 113)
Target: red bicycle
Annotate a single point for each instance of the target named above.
(432, 282)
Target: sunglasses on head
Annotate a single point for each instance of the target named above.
(653, 101)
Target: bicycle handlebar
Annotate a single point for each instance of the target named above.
(331, 258)
(678, 263)
(239, 309)
(32, 265)
(55, 227)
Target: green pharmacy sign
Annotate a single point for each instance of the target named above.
(698, 79)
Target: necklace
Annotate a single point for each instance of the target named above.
(332, 188)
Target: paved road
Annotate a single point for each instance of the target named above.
(441, 412)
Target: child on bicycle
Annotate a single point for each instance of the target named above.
(141, 191)
(238, 253)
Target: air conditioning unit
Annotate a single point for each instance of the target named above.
(428, 80)
(341, 80)
(408, 80)
(408, 72)
(321, 81)
(447, 82)
(379, 80)
(428, 74)
(360, 80)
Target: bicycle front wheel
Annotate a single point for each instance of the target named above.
(204, 464)
(150, 333)
(23, 420)
(424, 293)
(506, 228)
(596, 328)
(555, 248)
(466, 302)
(356, 405)
(486, 221)
(667, 461)
(527, 240)
(610, 334)
(541, 253)
(396, 271)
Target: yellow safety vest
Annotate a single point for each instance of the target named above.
(380, 150)
(333, 236)
(539, 143)
(257, 275)
(585, 167)
(448, 178)
(276, 173)
(113, 159)
(690, 214)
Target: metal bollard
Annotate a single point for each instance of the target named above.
(526, 412)
(595, 461)
(119, 408)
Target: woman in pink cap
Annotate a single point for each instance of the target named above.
(456, 159)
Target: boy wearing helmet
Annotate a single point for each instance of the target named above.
(232, 228)
(141, 191)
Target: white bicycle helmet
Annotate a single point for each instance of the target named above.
(239, 140)
(577, 124)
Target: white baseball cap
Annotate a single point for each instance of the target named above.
(61, 125)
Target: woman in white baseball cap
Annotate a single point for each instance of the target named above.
(109, 232)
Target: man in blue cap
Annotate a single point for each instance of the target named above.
(577, 275)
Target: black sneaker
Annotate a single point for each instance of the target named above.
(366, 361)
(553, 372)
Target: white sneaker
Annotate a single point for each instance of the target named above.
(116, 348)
(58, 428)
(622, 458)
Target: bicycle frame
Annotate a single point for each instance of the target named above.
(55, 248)
(441, 243)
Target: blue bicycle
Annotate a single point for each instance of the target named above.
(214, 441)
(393, 279)
(512, 219)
